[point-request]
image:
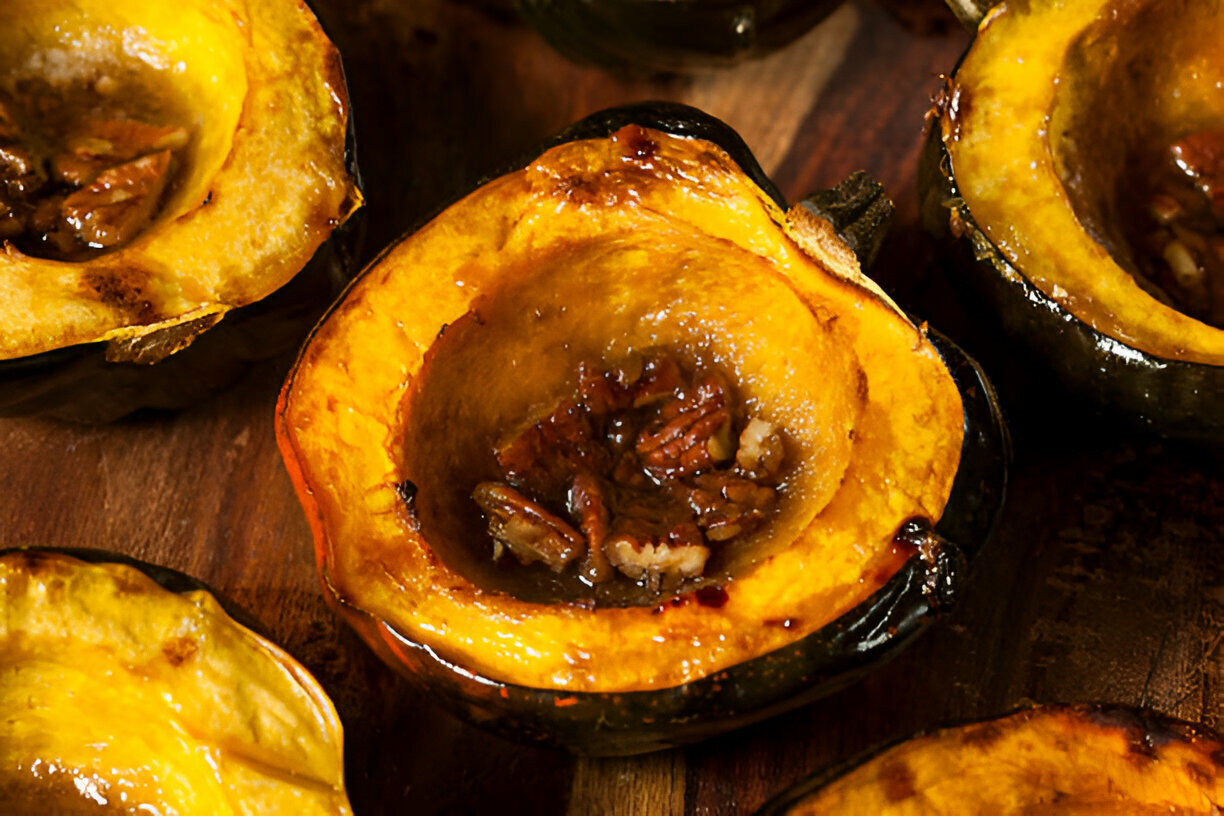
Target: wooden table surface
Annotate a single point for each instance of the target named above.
(1103, 581)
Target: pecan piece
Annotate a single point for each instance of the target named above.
(120, 201)
(544, 457)
(106, 143)
(659, 377)
(525, 528)
(726, 505)
(603, 392)
(1201, 156)
(20, 174)
(690, 433)
(586, 502)
(658, 563)
(760, 450)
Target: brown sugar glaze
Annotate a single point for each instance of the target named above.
(639, 476)
(86, 165)
(1177, 221)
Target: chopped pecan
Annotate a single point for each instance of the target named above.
(657, 564)
(544, 458)
(684, 438)
(19, 172)
(726, 505)
(586, 502)
(659, 378)
(651, 473)
(120, 201)
(1201, 156)
(105, 143)
(760, 452)
(529, 531)
(628, 471)
(603, 392)
(47, 220)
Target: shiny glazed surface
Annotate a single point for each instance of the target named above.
(265, 178)
(602, 246)
(123, 697)
(1037, 141)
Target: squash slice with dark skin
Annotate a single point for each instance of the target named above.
(162, 167)
(1076, 158)
(127, 688)
(637, 230)
(1055, 760)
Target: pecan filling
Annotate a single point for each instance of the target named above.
(639, 474)
(1181, 249)
(79, 174)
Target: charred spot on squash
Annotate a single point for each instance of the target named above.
(122, 289)
(898, 780)
(179, 650)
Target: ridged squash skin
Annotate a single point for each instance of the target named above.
(641, 226)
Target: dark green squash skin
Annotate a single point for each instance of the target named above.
(1142, 728)
(645, 36)
(624, 723)
(78, 384)
(1173, 398)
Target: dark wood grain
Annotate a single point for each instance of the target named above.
(1103, 582)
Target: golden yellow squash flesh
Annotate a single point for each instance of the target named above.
(120, 696)
(1052, 118)
(261, 182)
(596, 249)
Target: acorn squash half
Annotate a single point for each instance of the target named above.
(1054, 759)
(641, 227)
(161, 168)
(643, 36)
(1079, 158)
(127, 688)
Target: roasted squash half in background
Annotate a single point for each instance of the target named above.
(127, 688)
(162, 167)
(1056, 759)
(1078, 159)
(616, 452)
(644, 37)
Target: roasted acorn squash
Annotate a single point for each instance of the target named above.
(640, 227)
(1097, 760)
(160, 168)
(127, 688)
(1078, 156)
(646, 35)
